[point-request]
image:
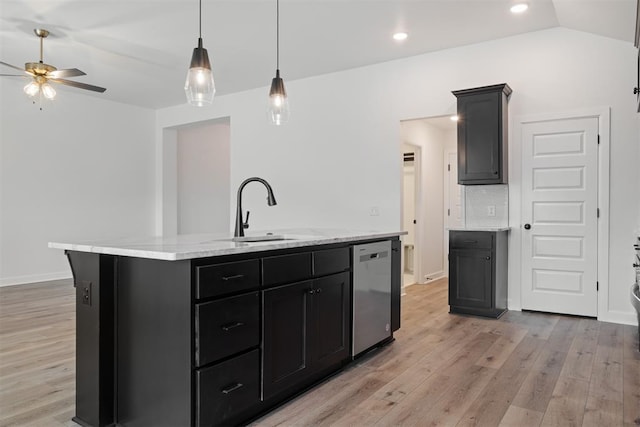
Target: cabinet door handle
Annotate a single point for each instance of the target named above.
(312, 291)
(232, 388)
(237, 276)
(318, 290)
(488, 258)
(230, 326)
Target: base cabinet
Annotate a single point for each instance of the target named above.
(306, 329)
(478, 272)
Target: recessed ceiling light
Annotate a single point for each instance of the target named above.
(453, 118)
(400, 36)
(519, 7)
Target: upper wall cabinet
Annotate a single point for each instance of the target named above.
(482, 135)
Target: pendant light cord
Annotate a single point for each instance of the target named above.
(200, 23)
(277, 34)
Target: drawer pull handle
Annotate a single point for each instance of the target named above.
(237, 276)
(230, 326)
(232, 388)
(470, 241)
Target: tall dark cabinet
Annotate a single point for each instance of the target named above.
(478, 272)
(482, 134)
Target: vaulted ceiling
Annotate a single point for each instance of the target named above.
(140, 49)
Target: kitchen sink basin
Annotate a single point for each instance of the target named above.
(263, 238)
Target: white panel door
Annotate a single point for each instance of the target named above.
(559, 215)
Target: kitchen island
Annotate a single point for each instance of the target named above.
(201, 330)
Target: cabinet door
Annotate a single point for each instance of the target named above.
(480, 139)
(471, 278)
(287, 317)
(330, 337)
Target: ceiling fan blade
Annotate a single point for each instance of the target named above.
(70, 72)
(79, 85)
(13, 66)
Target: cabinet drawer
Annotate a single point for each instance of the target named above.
(220, 279)
(330, 261)
(286, 268)
(471, 239)
(226, 326)
(225, 390)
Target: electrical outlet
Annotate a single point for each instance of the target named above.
(491, 210)
(374, 211)
(85, 288)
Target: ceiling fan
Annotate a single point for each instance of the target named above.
(41, 74)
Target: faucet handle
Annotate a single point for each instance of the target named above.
(245, 224)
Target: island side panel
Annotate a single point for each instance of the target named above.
(154, 342)
(94, 276)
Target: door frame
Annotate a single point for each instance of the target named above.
(417, 206)
(603, 114)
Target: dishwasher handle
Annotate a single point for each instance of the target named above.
(374, 256)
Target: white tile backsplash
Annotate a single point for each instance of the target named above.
(483, 200)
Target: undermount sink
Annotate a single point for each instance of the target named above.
(263, 238)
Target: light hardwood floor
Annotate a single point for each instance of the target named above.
(525, 369)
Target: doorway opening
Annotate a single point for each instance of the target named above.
(427, 196)
(195, 191)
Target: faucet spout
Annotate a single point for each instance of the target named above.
(240, 223)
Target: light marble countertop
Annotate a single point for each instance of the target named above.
(190, 246)
(479, 228)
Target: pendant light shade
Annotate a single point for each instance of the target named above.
(199, 86)
(278, 102)
(278, 106)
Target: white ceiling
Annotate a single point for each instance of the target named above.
(140, 49)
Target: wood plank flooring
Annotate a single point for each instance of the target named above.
(525, 369)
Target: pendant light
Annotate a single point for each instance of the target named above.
(278, 106)
(199, 86)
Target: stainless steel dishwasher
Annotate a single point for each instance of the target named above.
(371, 295)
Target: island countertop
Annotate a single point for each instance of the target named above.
(190, 246)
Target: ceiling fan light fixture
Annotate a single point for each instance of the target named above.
(32, 89)
(200, 87)
(278, 104)
(48, 91)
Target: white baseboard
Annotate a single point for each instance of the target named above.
(621, 317)
(33, 278)
(433, 276)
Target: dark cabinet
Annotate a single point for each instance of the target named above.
(211, 341)
(287, 327)
(306, 329)
(478, 272)
(227, 389)
(330, 338)
(225, 327)
(482, 135)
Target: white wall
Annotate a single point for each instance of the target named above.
(82, 168)
(338, 156)
(203, 174)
